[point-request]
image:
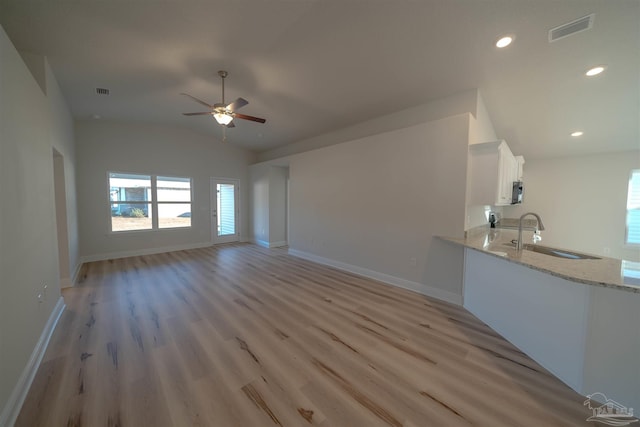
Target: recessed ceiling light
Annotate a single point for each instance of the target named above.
(595, 71)
(504, 41)
(577, 133)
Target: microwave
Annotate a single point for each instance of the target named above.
(517, 192)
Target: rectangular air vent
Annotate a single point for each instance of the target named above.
(102, 91)
(573, 27)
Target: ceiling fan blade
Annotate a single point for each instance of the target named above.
(237, 104)
(245, 117)
(197, 114)
(198, 100)
(231, 125)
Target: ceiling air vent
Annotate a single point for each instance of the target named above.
(102, 91)
(573, 27)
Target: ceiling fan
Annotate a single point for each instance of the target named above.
(223, 113)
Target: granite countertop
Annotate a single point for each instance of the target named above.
(605, 272)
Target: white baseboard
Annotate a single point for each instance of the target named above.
(261, 243)
(14, 404)
(266, 244)
(278, 244)
(391, 280)
(68, 282)
(76, 273)
(138, 252)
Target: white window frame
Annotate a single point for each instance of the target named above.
(153, 202)
(633, 196)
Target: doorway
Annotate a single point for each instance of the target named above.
(225, 210)
(60, 197)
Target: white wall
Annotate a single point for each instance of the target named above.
(613, 346)
(260, 204)
(63, 140)
(269, 204)
(582, 201)
(376, 203)
(543, 315)
(484, 126)
(32, 123)
(151, 149)
(481, 130)
(464, 102)
(278, 206)
(586, 335)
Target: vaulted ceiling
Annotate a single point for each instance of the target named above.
(314, 66)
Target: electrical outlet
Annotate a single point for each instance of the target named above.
(413, 262)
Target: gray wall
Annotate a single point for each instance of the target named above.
(375, 204)
(32, 124)
(260, 204)
(338, 183)
(151, 149)
(278, 206)
(269, 204)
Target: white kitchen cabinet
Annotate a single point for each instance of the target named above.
(519, 167)
(492, 170)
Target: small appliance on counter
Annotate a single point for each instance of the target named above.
(494, 218)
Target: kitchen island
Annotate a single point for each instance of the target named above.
(578, 318)
(604, 271)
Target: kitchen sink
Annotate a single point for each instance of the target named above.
(559, 253)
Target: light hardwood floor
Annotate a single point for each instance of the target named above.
(238, 335)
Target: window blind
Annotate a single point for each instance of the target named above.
(633, 209)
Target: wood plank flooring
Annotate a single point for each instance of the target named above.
(237, 335)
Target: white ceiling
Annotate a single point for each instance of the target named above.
(314, 66)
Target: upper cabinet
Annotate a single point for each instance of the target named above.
(492, 171)
(520, 166)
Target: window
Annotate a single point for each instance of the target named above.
(131, 202)
(174, 202)
(149, 202)
(633, 209)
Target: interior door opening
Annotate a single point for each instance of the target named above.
(61, 218)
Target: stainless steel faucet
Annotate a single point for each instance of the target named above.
(540, 227)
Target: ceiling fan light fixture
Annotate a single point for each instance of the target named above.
(223, 118)
(223, 113)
